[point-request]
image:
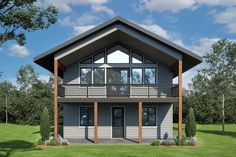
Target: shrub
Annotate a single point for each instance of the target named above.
(192, 141)
(190, 128)
(168, 142)
(40, 142)
(65, 142)
(51, 142)
(156, 143)
(45, 125)
(181, 141)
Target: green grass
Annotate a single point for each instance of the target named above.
(19, 140)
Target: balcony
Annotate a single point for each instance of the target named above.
(117, 90)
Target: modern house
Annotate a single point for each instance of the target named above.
(117, 82)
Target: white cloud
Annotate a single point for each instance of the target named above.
(81, 29)
(103, 9)
(164, 5)
(228, 18)
(177, 5)
(18, 51)
(44, 78)
(66, 5)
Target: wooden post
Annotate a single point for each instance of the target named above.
(180, 98)
(95, 122)
(140, 122)
(55, 98)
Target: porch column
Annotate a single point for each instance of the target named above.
(95, 122)
(140, 122)
(180, 99)
(55, 98)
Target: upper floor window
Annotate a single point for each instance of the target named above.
(86, 116)
(137, 75)
(87, 61)
(118, 54)
(149, 75)
(86, 75)
(99, 75)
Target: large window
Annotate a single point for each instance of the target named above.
(86, 75)
(149, 116)
(149, 75)
(86, 116)
(99, 76)
(137, 75)
(99, 58)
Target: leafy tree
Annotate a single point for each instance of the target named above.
(45, 125)
(190, 126)
(216, 79)
(20, 16)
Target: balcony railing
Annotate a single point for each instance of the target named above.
(117, 90)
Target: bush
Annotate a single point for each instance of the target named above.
(51, 142)
(156, 143)
(168, 142)
(40, 142)
(192, 141)
(190, 128)
(181, 141)
(65, 142)
(45, 125)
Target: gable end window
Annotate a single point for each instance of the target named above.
(86, 116)
(149, 116)
(86, 76)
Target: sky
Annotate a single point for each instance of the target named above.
(193, 24)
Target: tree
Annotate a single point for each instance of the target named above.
(190, 126)
(20, 16)
(45, 125)
(216, 79)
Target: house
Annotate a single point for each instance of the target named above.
(117, 82)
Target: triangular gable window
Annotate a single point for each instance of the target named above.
(136, 58)
(99, 58)
(87, 61)
(118, 54)
(148, 61)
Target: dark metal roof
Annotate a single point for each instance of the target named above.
(46, 59)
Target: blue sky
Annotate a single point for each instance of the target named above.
(193, 24)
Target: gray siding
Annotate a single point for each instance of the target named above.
(164, 122)
(71, 75)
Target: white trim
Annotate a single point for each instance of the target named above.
(113, 106)
(65, 53)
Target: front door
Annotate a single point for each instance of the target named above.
(118, 82)
(117, 122)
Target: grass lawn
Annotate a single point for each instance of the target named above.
(19, 140)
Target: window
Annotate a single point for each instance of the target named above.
(136, 58)
(148, 61)
(118, 54)
(137, 75)
(87, 61)
(99, 76)
(150, 75)
(149, 116)
(99, 58)
(86, 116)
(85, 76)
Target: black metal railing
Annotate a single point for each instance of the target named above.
(118, 90)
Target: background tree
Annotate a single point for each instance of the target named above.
(45, 125)
(190, 126)
(219, 77)
(20, 16)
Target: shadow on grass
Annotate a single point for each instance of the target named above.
(7, 148)
(218, 132)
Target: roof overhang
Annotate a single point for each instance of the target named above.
(123, 31)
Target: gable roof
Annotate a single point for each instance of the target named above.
(46, 59)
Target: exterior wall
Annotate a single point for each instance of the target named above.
(164, 122)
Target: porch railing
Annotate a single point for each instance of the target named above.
(117, 90)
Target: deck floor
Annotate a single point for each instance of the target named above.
(108, 141)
